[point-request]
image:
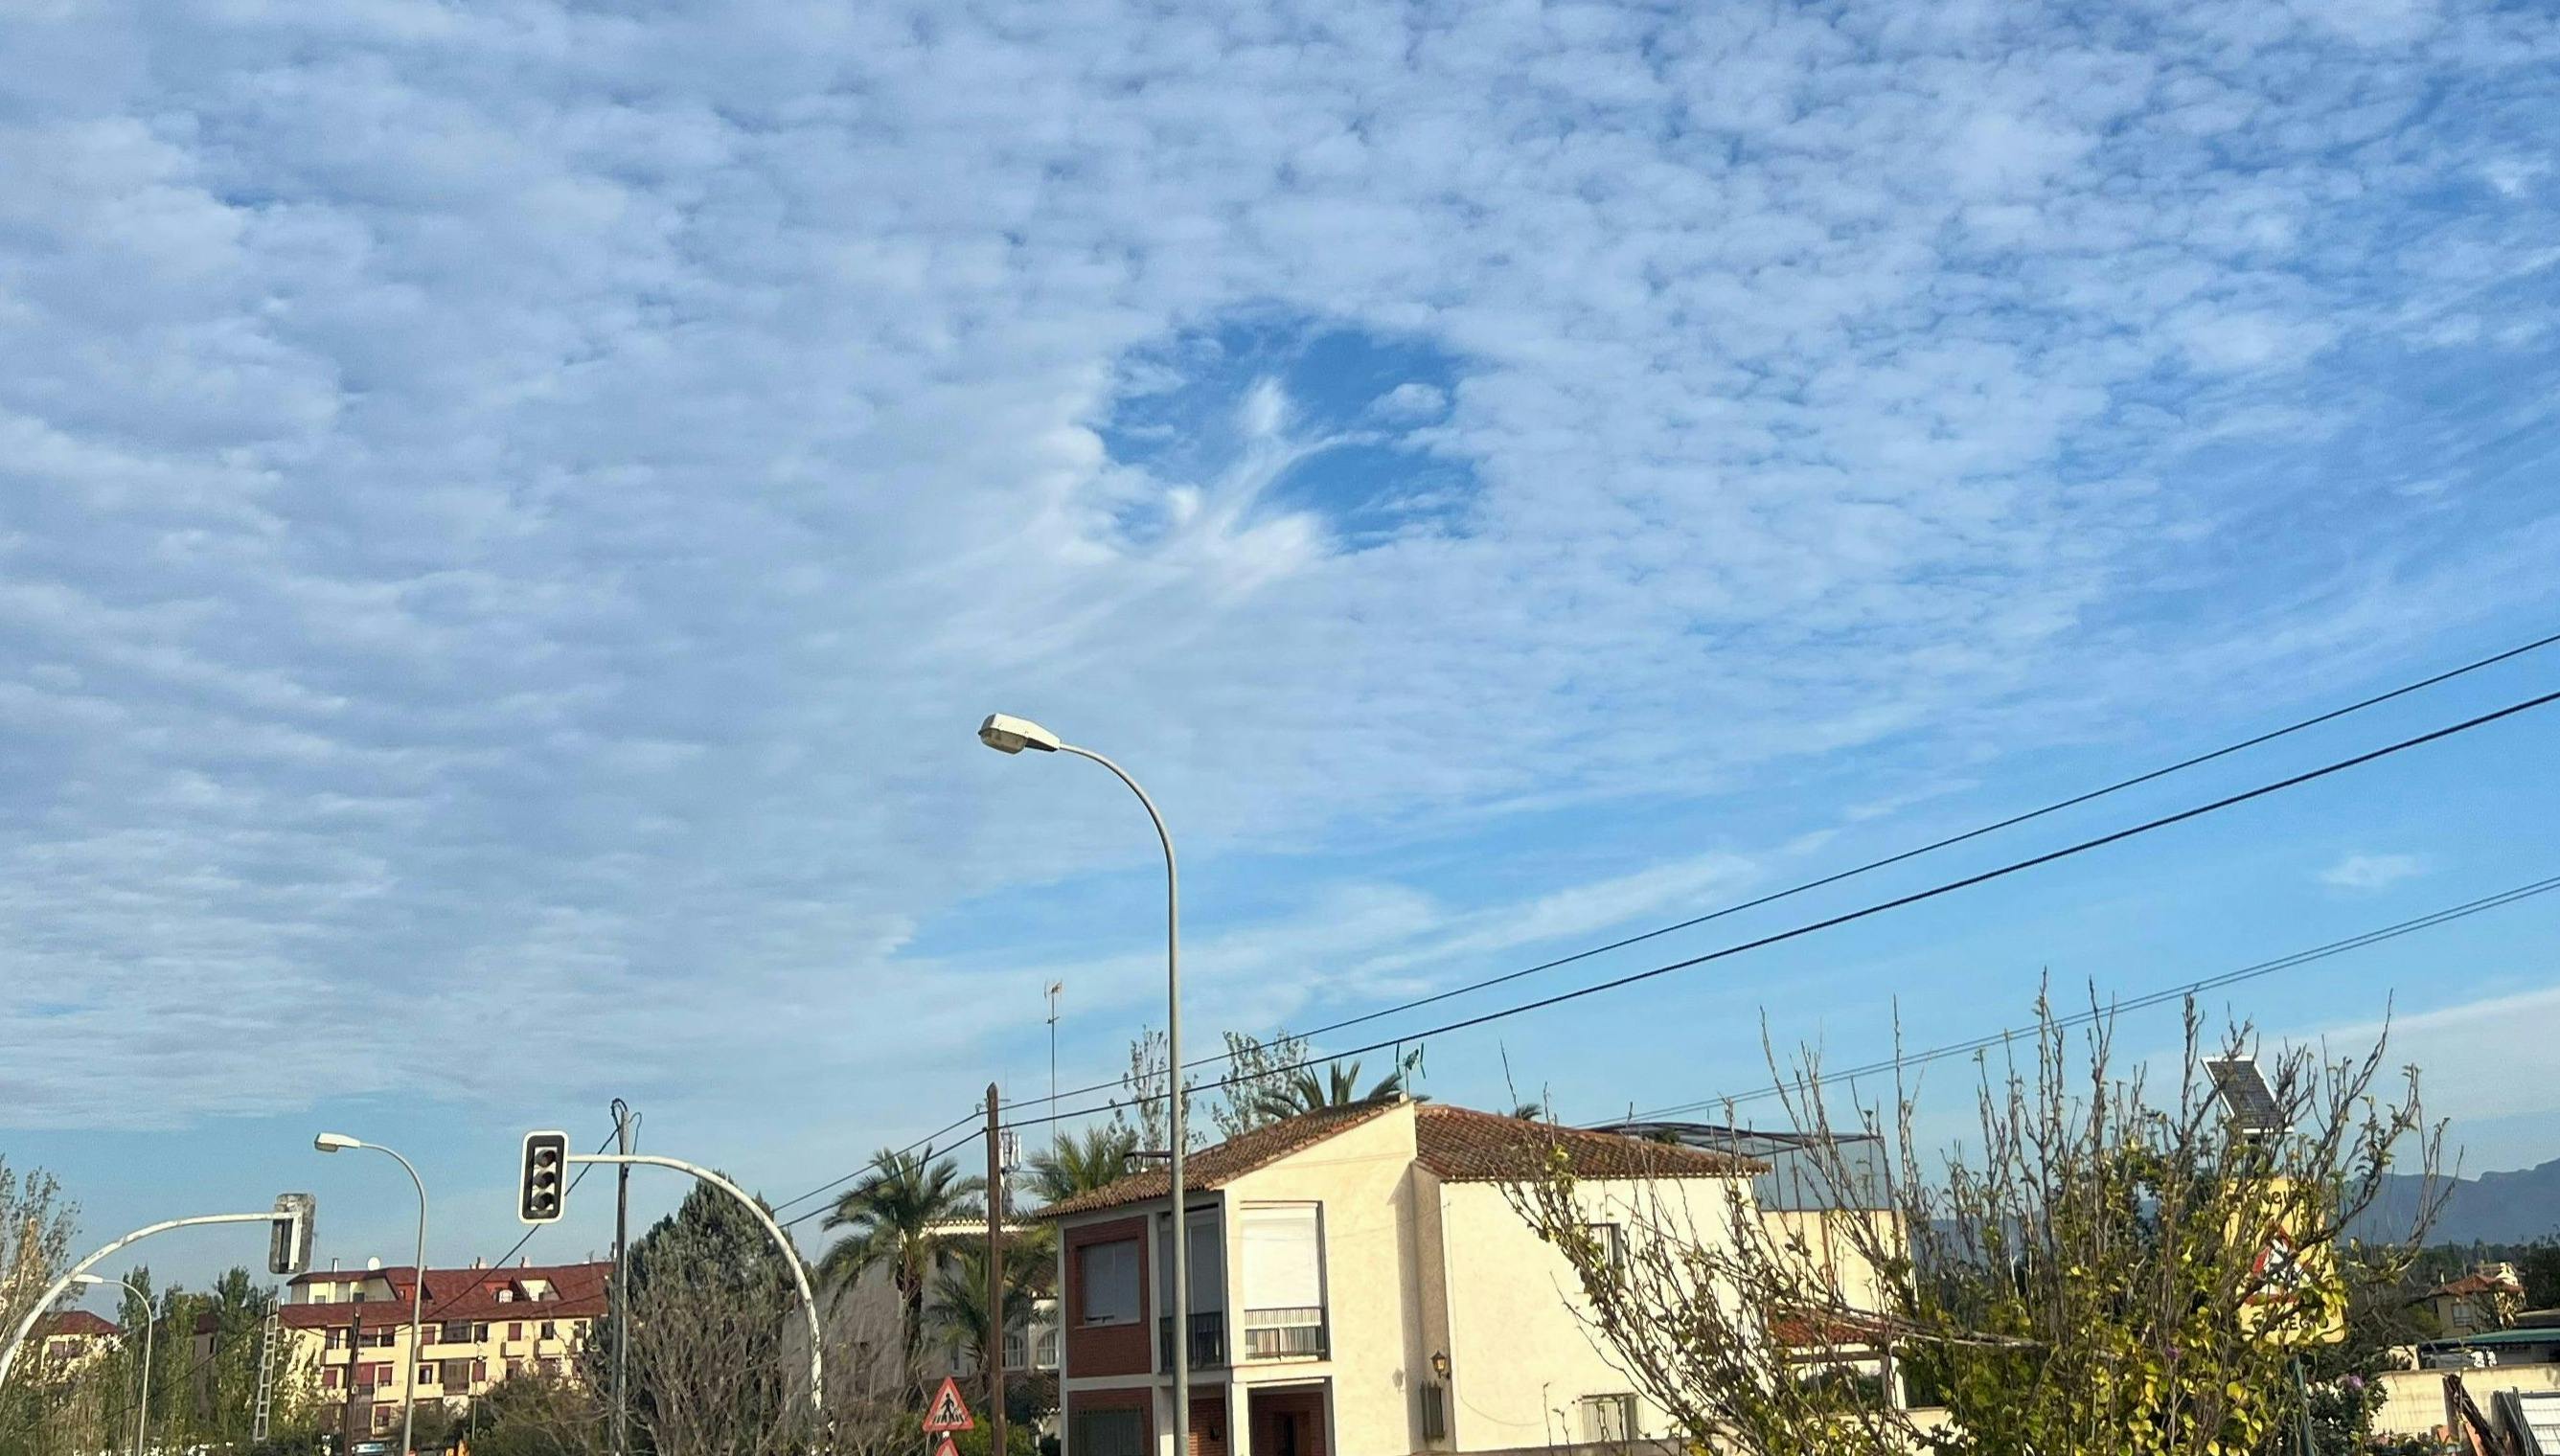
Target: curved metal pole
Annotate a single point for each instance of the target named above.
(416, 1302)
(142, 1416)
(790, 1256)
(45, 1301)
(1174, 1096)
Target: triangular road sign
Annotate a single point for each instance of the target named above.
(946, 1447)
(946, 1412)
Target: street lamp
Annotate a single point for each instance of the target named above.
(335, 1142)
(143, 1415)
(1008, 734)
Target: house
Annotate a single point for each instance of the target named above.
(2487, 1298)
(1361, 1284)
(71, 1338)
(479, 1326)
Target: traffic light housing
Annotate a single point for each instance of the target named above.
(542, 1195)
(288, 1239)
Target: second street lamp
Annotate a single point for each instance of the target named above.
(335, 1142)
(1008, 734)
(142, 1416)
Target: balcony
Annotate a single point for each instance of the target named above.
(1208, 1340)
(1285, 1334)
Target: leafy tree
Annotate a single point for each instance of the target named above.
(1145, 1112)
(1081, 1162)
(1304, 1089)
(894, 1216)
(2539, 1267)
(36, 1225)
(2087, 1276)
(534, 1415)
(714, 1348)
(959, 1304)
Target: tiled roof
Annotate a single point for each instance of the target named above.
(579, 1292)
(1465, 1146)
(1213, 1167)
(75, 1322)
(1458, 1144)
(2478, 1283)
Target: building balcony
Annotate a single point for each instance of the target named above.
(1208, 1340)
(1285, 1334)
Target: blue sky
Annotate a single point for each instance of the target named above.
(509, 515)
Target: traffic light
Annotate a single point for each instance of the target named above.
(540, 1196)
(288, 1239)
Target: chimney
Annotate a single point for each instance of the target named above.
(333, 1258)
(525, 1261)
(478, 1262)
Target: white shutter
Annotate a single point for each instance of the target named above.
(1284, 1266)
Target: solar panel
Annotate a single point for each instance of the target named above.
(2242, 1090)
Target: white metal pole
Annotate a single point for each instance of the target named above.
(54, 1291)
(1174, 1093)
(416, 1302)
(781, 1241)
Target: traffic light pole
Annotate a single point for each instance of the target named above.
(621, 1281)
(781, 1241)
(45, 1301)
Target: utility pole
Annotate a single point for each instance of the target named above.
(995, 1277)
(622, 1280)
(354, 1351)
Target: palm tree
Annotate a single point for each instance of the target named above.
(959, 1309)
(1303, 1090)
(1081, 1162)
(897, 1215)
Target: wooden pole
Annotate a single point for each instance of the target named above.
(994, 1278)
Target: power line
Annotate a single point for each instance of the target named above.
(1898, 901)
(1836, 878)
(798, 1219)
(835, 1183)
(2139, 1003)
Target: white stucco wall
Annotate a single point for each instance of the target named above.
(1521, 1361)
(1361, 1176)
(2414, 1400)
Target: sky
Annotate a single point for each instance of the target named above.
(511, 513)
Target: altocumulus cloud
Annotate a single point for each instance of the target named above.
(517, 505)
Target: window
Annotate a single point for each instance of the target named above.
(328, 1378)
(426, 1375)
(551, 1365)
(458, 1332)
(337, 1340)
(457, 1375)
(1613, 1243)
(1284, 1280)
(1106, 1283)
(1608, 1418)
(1107, 1433)
(479, 1333)
(1208, 1267)
(516, 1331)
(479, 1371)
(549, 1332)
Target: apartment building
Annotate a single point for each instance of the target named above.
(71, 1338)
(480, 1326)
(1361, 1284)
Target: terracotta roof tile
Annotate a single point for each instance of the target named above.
(1212, 1166)
(75, 1322)
(1465, 1146)
(1458, 1144)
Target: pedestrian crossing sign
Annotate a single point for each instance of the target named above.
(947, 1412)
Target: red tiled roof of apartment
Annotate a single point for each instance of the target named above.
(2478, 1283)
(578, 1291)
(1212, 1166)
(75, 1322)
(1456, 1143)
(1462, 1145)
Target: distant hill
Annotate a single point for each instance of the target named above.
(2494, 1208)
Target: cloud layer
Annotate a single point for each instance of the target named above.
(507, 514)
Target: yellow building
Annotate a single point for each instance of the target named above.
(478, 1327)
(69, 1338)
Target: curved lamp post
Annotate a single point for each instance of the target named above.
(1008, 734)
(142, 1415)
(333, 1142)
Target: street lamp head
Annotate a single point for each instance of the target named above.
(331, 1142)
(1007, 734)
(91, 1280)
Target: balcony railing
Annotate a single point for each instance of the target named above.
(1208, 1339)
(1285, 1334)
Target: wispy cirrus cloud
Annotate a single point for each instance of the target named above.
(2372, 871)
(519, 509)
